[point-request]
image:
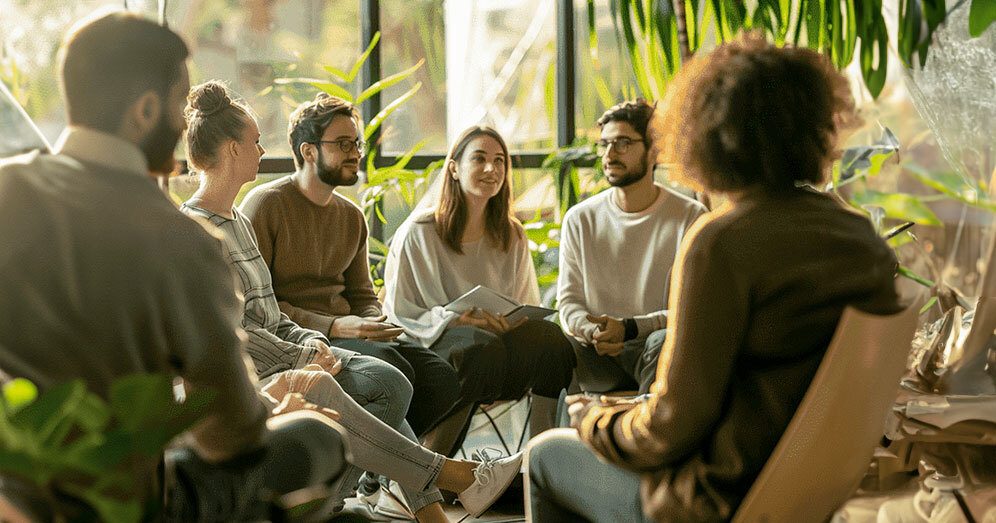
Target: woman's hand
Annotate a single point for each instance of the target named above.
(482, 319)
(295, 401)
(325, 358)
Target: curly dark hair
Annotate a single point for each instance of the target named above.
(309, 121)
(753, 115)
(636, 113)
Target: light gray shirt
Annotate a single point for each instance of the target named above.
(619, 263)
(102, 277)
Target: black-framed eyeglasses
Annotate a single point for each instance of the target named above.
(346, 145)
(621, 145)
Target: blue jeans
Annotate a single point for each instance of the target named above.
(566, 482)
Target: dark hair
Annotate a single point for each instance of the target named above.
(212, 119)
(451, 212)
(751, 114)
(108, 63)
(309, 121)
(636, 113)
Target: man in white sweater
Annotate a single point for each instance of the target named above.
(616, 252)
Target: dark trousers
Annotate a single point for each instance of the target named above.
(434, 381)
(633, 369)
(534, 356)
(302, 450)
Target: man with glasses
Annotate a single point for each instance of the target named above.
(315, 242)
(616, 253)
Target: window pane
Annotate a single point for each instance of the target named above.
(603, 78)
(250, 43)
(412, 30)
(31, 31)
(501, 69)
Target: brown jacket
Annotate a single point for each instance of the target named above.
(759, 289)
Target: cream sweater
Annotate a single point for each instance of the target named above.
(423, 274)
(618, 263)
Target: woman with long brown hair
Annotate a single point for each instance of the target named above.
(223, 143)
(470, 239)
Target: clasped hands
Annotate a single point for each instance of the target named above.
(480, 318)
(578, 405)
(609, 336)
(290, 391)
(370, 329)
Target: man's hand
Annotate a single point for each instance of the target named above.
(609, 337)
(482, 319)
(372, 329)
(294, 401)
(325, 358)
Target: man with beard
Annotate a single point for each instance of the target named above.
(104, 278)
(315, 242)
(616, 253)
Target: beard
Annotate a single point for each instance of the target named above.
(334, 176)
(629, 177)
(159, 145)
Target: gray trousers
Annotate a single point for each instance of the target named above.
(566, 482)
(633, 369)
(372, 398)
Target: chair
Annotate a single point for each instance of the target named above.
(828, 444)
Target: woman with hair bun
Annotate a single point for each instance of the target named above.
(223, 143)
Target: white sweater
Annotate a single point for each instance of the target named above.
(423, 274)
(618, 263)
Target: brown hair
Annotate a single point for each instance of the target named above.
(212, 119)
(451, 212)
(108, 63)
(309, 121)
(637, 113)
(751, 114)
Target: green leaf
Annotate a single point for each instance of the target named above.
(342, 75)
(363, 58)
(953, 185)
(903, 271)
(592, 32)
(928, 305)
(868, 159)
(110, 509)
(390, 108)
(897, 205)
(328, 87)
(387, 82)
(48, 416)
(980, 16)
(18, 393)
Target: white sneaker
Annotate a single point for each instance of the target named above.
(385, 505)
(491, 478)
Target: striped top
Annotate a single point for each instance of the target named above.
(275, 343)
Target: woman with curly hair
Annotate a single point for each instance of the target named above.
(758, 289)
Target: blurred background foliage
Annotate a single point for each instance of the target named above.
(921, 68)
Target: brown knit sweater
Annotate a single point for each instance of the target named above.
(317, 254)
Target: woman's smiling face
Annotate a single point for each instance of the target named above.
(481, 168)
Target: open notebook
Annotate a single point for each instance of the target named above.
(489, 300)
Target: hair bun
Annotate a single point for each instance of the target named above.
(208, 98)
